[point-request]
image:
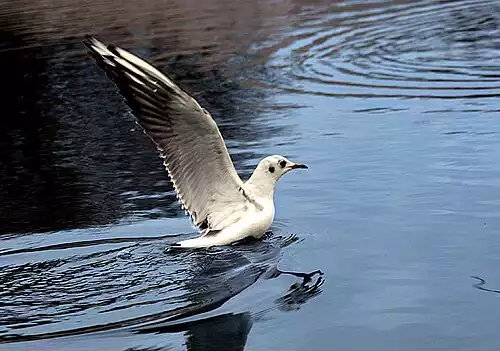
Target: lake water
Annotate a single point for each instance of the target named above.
(394, 106)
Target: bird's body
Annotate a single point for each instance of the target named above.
(221, 205)
(253, 224)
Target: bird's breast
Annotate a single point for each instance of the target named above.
(261, 219)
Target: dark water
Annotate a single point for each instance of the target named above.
(393, 105)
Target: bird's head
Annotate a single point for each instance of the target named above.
(275, 166)
(267, 173)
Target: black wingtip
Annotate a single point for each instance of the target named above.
(112, 48)
(88, 41)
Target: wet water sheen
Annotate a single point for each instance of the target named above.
(394, 106)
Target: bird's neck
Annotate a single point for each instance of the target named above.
(261, 185)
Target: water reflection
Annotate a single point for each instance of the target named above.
(31, 168)
(389, 102)
(230, 331)
(76, 292)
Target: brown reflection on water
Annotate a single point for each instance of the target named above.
(221, 27)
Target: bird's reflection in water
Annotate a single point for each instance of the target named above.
(223, 272)
(162, 293)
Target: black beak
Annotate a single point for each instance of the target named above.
(298, 165)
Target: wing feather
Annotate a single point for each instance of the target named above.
(188, 139)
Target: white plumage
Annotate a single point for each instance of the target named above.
(208, 187)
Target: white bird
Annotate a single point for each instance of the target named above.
(223, 207)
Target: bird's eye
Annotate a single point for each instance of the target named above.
(282, 163)
(271, 169)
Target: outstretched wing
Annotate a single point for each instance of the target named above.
(194, 152)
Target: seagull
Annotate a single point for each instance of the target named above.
(223, 207)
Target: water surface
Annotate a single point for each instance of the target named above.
(394, 107)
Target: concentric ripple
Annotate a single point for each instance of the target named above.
(393, 49)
